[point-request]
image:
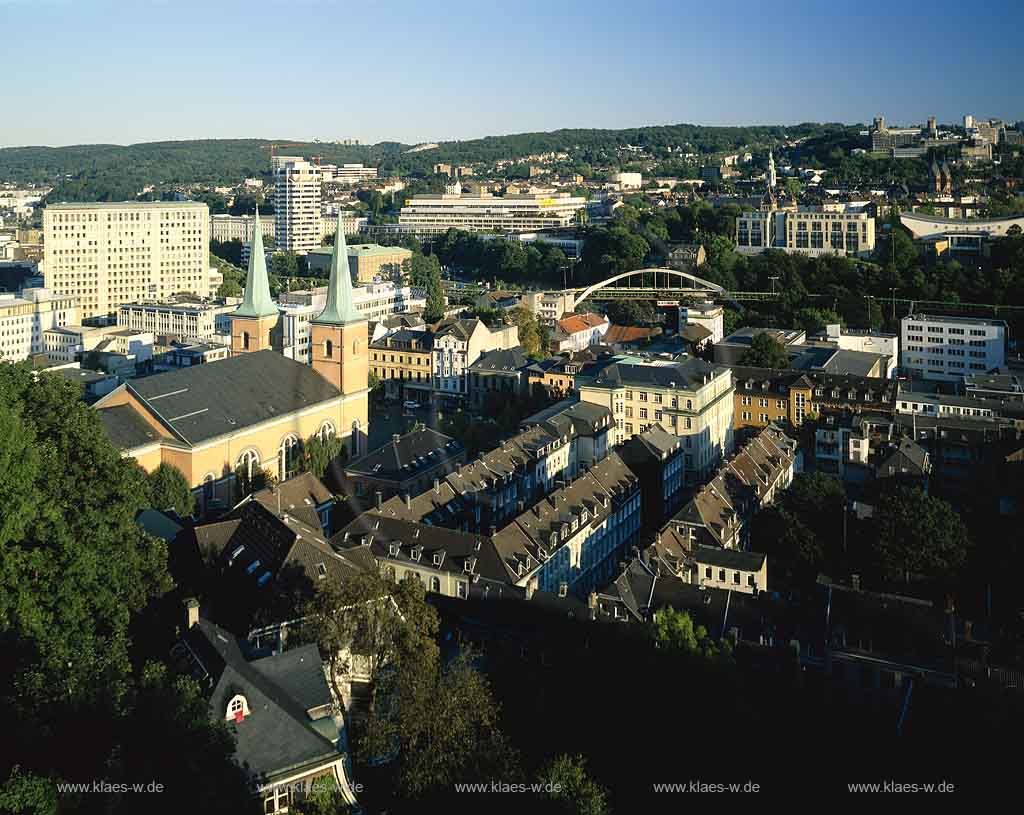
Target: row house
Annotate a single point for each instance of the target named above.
(657, 457)
(765, 396)
(570, 540)
(717, 514)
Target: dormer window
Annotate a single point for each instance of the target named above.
(321, 571)
(393, 550)
(437, 558)
(238, 708)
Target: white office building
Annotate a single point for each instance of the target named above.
(348, 173)
(375, 301)
(181, 320)
(297, 184)
(225, 228)
(484, 212)
(25, 317)
(948, 348)
(104, 255)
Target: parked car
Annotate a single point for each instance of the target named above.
(410, 404)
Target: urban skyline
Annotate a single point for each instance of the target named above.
(597, 71)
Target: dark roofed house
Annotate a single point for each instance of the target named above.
(656, 456)
(502, 372)
(303, 496)
(406, 465)
(279, 709)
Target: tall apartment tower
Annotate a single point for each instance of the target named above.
(338, 344)
(104, 255)
(296, 204)
(253, 321)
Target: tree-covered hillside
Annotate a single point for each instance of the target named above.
(112, 172)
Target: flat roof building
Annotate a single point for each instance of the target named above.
(483, 212)
(112, 253)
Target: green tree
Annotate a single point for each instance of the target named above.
(168, 489)
(573, 792)
(765, 352)
(674, 631)
(324, 799)
(424, 271)
(918, 533)
(529, 331)
(284, 264)
(320, 454)
(436, 724)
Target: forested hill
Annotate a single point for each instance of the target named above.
(125, 169)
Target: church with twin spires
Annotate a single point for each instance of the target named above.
(222, 421)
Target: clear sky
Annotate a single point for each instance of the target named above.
(89, 71)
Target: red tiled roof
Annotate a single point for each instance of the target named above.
(626, 333)
(581, 322)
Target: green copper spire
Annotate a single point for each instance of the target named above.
(340, 309)
(257, 301)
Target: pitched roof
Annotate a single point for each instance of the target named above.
(581, 322)
(729, 558)
(286, 694)
(398, 539)
(691, 372)
(126, 429)
(402, 458)
(502, 359)
(617, 334)
(205, 401)
(256, 300)
(298, 496)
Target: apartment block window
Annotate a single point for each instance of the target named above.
(643, 396)
(643, 413)
(721, 575)
(707, 572)
(657, 398)
(736, 578)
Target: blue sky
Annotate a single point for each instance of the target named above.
(90, 71)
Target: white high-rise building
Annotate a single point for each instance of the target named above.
(25, 317)
(104, 255)
(297, 184)
(949, 348)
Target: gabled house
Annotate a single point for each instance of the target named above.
(278, 708)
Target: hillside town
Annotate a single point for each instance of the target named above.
(346, 476)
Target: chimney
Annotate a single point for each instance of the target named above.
(855, 580)
(380, 499)
(494, 530)
(563, 589)
(396, 437)
(592, 600)
(408, 501)
(191, 612)
(530, 589)
(437, 485)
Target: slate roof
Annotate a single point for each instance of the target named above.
(730, 558)
(505, 360)
(126, 429)
(688, 373)
(299, 496)
(206, 401)
(655, 442)
(251, 541)
(285, 693)
(397, 539)
(402, 458)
